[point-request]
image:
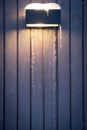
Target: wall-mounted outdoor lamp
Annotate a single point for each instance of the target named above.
(43, 15)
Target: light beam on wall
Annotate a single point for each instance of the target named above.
(42, 15)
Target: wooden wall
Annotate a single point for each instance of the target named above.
(43, 72)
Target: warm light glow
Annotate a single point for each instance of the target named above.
(45, 6)
(42, 25)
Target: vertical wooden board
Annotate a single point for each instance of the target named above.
(23, 69)
(49, 62)
(50, 86)
(76, 64)
(37, 84)
(85, 63)
(10, 65)
(1, 65)
(63, 68)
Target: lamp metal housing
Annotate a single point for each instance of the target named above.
(43, 15)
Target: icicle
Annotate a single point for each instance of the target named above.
(47, 10)
(60, 36)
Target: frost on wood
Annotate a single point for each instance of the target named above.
(49, 78)
(54, 83)
(33, 78)
(36, 78)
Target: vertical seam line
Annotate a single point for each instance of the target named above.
(43, 80)
(83, 62)
(57, 98)
(70, 64)
(30, 82)
(17, 66)
(4, 64)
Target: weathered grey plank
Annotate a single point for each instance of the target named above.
(85, 63)
(49, 62)
(37, 83)
(23, 69)
(10, 65)
(1, 65)
(76, 64)
(63, 68)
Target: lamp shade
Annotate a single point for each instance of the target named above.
(43, 15)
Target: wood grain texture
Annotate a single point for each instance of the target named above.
(23, 69)
(10, 65)
(1, 65)
(63, 68)
(85, 64)
(76, 64)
